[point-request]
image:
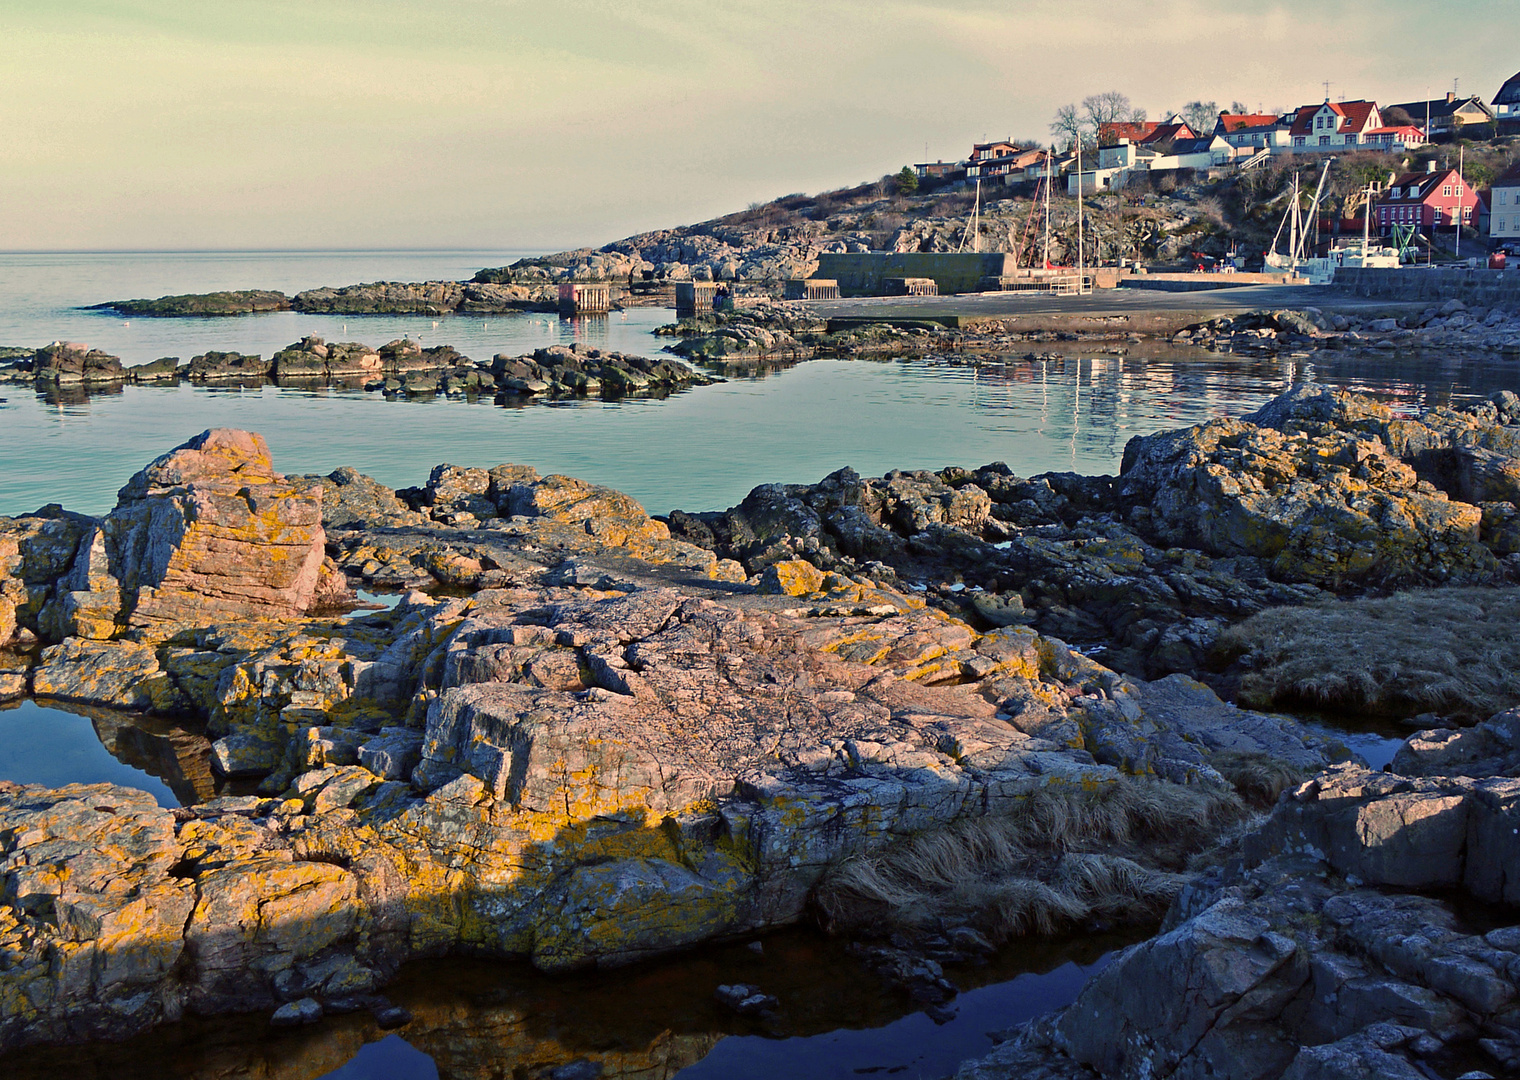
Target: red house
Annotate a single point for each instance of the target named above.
(1110, 133)
(1428, 200)
(1144, 132)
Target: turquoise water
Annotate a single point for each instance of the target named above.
(704, 448)
(698, 450)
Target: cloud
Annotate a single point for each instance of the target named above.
(364, 123)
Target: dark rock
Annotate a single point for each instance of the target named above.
(65, 362)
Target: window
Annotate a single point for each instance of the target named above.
(1298, 140)
(1393, 192)
(1324, 140)
(1446, 190)
(1500, 226)
(1350, 140)
(1503, 197)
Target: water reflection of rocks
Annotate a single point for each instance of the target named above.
(480, 1019)
(175, 753)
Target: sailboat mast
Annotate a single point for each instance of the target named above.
(1293, 228)
(1049, 154)
(1079, 214)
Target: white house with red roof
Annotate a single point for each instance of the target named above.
(1246, 133)
(1334, 127)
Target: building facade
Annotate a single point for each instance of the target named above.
(1504, 206)
(1444, 118)
(1506, 106)
(1333, 127)
(1429, 201)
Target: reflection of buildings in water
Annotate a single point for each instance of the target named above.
(588, 329)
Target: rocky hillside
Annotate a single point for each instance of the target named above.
(783, 239)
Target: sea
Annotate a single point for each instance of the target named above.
(1038, 410)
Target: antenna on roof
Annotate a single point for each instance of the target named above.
(1327, 89)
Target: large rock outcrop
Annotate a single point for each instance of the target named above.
(1323, 950)
(206, 533)
(609, 750)
(1308, 484)
(1319, 492)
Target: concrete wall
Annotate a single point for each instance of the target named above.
(1485, 287)
(862, 274)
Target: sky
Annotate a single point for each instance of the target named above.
(391, 124)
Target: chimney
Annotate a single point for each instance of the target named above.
(1430, 166)
(1450, 97)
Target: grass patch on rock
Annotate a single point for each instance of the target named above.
(1453, 651)
(1063, 859)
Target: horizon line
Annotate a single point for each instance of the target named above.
(280, 251)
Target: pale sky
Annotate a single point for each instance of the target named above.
(209, 124)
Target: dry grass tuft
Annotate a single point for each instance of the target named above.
(1454, 651)
(1037, 870)
(1257, 778)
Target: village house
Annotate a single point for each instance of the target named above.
(1169, 132)
(1203, 152)
(1028, 167)
(1432, 200)
(1507, 106)
(1111, 133)
(1247, 133)
(940, 170)
(1504, 206)
(1393, 138)
(1444, 118)
(1010, 167)
(1333, 127)
(989, 151)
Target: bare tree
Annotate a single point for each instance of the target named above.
(1111, 107)
(1201, 116)
(1069, 126)
(1239, 108)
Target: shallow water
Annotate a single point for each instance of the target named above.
(478, 1019)
(707, 447)
(698, 450)
(54, 744)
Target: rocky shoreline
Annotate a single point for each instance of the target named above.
(375, 298)
(401, 367)
(586, 736)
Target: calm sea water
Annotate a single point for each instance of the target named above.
(702, 449)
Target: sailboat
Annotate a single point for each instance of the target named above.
(1297, 221)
